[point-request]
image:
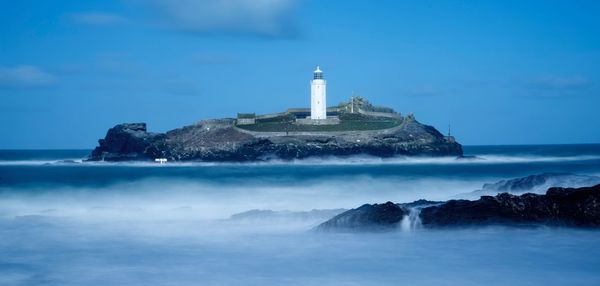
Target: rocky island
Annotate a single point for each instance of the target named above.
(351, 128)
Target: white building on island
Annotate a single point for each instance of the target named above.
(318, 96)
(315, 115)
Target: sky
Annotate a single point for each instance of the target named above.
(499, 72)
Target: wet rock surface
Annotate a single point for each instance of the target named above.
(373, 216)
(572, 207)
(559, 207)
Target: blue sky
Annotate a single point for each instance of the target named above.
(501, 72)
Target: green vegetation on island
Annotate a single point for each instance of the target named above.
(355, 115)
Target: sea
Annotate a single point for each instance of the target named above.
(64, 221)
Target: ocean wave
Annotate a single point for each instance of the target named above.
(351, 160)
(478, 159)
(204, 198)
(36, 162)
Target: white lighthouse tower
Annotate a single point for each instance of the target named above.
(318, 96)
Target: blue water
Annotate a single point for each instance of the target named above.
(72, 223)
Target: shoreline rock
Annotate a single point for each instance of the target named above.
(570, 207)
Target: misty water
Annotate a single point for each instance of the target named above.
(71, 223)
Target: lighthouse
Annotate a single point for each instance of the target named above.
(318, 96)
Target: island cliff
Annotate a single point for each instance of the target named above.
(224, 140)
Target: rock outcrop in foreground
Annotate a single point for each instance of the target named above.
(558, 207)
(221, 140)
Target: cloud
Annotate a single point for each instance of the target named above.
(214, 58)
(560, 82)
(264, 18)
(96, 18)
(182, 87)
(553, 86)
(25, 76)
(422, 91)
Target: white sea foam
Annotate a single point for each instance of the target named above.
(121, 250)
(369, 160)
(329, 160)
(175, 231)
(36, 162)
(412, 221)
(192, 199)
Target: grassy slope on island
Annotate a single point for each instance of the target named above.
(348, 122)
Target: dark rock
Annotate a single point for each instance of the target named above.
(421, 203)
(220, 140)
(129, 141)
(574, 207)
(559, 206)
(376, 216)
